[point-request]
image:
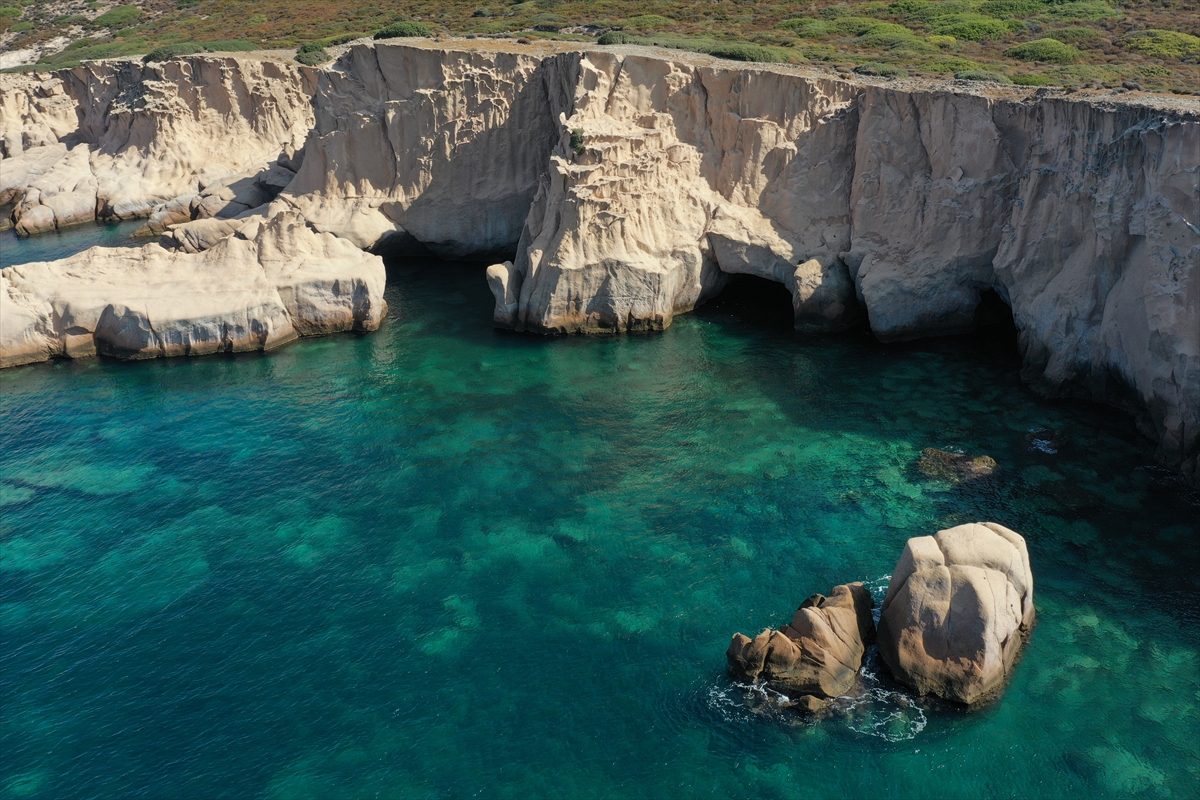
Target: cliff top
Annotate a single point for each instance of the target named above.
(1088, 43)
(1174, 104)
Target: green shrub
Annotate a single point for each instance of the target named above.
(22, 26)
(1087, 10)
(577, 141)
(877, 9)
(169, 51)
(310, 58)
(882, 70)
(1009, 9)
(1154, 71)
(805, 28)
(742, 51)
(902, 8)
(935, 11)
(858, 26)
(1163, 44)
(1032, 80)
(548, 22)
(648, 21)
(983, 75)
(887, 34)
(1073, 35)
(399, 30)
(951, 65)
(186, 3)
(819, 52)
(835, 12)
(1083, 73)
(70, 19)
(11, 12)
(972, 27)
(942, 41)
(614, 37)
(1049, 50)
(119, 17)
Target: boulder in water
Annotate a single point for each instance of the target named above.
(818, 653)
(958, 609)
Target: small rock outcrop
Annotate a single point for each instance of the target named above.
(958, 609)
(947, 466)
(262, 286)
(818, 654)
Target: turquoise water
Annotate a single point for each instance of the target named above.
(58, 244)
(440, 561)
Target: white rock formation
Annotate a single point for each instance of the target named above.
(418, 144)
(903, 201)
(261, 287)
(958, 609)
(149, 133)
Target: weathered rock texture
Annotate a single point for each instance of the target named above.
(423, 146)
(904, 202)
(958, 609)
(819, 653)
(117, 140)
(261, 287)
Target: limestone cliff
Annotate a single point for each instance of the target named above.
(115, 140)
(628, 184)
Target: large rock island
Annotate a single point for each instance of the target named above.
(623, 186)
(958, 610)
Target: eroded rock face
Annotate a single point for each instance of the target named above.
(124, 139)
(261, 287)
(819, 653)
(958, 610)
(414, 143)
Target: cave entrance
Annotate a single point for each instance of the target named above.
(756, 301)
(995, 329)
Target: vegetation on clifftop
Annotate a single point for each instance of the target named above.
(1153, 43)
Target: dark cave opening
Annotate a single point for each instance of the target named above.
(756, 301)
(995, 328)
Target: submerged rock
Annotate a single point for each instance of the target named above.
(958, 609)
(947, 466)
(817, 654)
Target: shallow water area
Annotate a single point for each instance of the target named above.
(68, 241)
(445, 561)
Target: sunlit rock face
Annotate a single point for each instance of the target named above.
(120, 139)
(958, 610)
(620, 188)
(262, 286)
(818, 654)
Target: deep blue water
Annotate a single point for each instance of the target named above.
(440, 561)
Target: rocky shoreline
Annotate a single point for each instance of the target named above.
(630, 183)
